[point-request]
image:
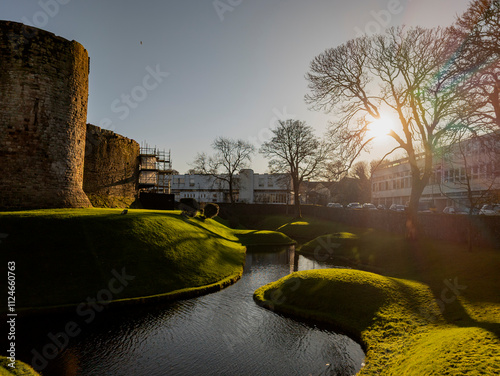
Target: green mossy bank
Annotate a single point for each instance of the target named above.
(65, 257)
(432, 308)
(20, 368)
(397, 320)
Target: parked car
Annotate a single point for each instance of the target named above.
(334, 205)
(381, 207)
(397, 208)
(466, 211)
(369, 206)
(449, 210)
(354, 205)
(490, 209)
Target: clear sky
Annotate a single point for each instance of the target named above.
(178, 73)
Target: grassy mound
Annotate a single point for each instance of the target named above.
(435, 310)
(262, 238)
(22, 369)
(340, 245)
(65, 257)
(309, 228)
(399, 321)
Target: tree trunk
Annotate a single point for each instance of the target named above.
(412, 210)
(231, 197)
(296, 187)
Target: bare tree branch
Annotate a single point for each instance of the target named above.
(230, 157)
(294, 149)
(404, 71)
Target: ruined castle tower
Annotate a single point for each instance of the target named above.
(43, 111)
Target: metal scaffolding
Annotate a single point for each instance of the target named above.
(155, 167)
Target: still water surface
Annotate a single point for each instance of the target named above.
(223, 333)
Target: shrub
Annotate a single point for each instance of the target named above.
(189, 206)
(211, 210)
(191, 203)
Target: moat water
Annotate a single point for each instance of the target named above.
(223, 333)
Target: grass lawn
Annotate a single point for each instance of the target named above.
(432, 309)
(22, 369)
(262, 238)
(301, 230)
(65, 256)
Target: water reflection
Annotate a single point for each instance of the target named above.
(224, 333)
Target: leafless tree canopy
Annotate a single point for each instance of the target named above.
(294, 149)
(229, 158)
(480, 25)
(404, 72)
(476, 35)
(361, 172)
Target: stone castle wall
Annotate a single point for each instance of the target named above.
(43, 97)
(111, 168)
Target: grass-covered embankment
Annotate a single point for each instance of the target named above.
(255, 238)
(20, 368)
(299, 229)
(62, 257)
(434, 311)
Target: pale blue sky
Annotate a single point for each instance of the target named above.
(234, 66)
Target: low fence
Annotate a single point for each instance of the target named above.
(485, 230)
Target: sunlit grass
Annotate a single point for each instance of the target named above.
(433, 309)
(309, 228)
(21, 369)
(64, 256)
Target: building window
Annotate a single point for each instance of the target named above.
(475, 172)
(463, 174)
(482, 170)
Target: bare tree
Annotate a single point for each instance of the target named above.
(479, 27)
(294, 149)
(230, 157)
(360, 172)
(476, 61)
(402, 73)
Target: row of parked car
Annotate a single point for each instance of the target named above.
(366, 206)
(488, 209)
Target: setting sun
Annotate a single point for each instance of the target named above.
(381, 127)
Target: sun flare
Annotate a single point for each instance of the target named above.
(381, 127)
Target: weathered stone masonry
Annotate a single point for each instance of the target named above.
(43, 99)
(111, 168)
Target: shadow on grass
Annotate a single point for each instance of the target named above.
(348, 308)
(70, 256)
(431, 265)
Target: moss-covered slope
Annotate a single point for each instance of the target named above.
(399, 322)
(67, 256)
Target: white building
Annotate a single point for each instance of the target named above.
(249, 188)
(471, 165)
